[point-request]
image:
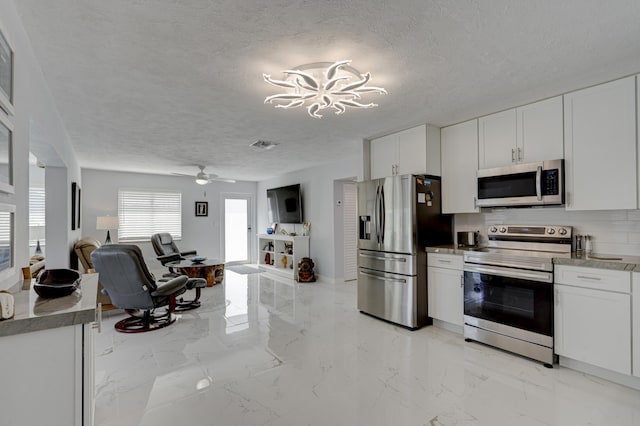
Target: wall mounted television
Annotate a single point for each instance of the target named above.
(285, 204)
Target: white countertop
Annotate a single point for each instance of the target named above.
(33, 313)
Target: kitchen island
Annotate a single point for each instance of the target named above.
(47, 359)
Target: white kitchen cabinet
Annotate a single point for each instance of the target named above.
(412, 151)
(445, 287)
(497, 139)
(525, 134)
(635, 324)
(593, 323)
(383, 156)
(459, 168)
(600, 147)
(44, 376)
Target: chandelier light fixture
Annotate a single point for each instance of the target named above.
(322, 85)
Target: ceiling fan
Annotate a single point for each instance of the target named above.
(203, 178)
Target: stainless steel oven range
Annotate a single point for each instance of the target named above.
(508, 289)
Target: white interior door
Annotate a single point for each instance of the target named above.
(350, 227)
(237, 228)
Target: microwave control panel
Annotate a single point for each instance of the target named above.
(550, 182)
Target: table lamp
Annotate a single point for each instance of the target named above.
(37, 233)
(107, 223)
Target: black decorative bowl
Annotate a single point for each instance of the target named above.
(52, 283)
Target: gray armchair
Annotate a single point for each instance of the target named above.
(131, 287)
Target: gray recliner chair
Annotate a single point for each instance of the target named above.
(131, 287)
(166, 249)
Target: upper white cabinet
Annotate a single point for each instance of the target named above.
(526, 134)
(383, 156)
(600, 147)
(459, 168)
(412, 151)
(497, 139)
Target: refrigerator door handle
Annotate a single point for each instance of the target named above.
(375, 215)
(377, 277)
(386, 259)
(382, 214)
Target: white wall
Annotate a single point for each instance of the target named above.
(33, 104)
(318, 207)
(614, 232)
(204, 234)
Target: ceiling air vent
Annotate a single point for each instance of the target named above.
(264, 144)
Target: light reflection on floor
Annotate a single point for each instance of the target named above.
(265, 351)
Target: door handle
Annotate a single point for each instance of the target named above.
(513, 155)
(375, 214)
(383, 214)
(98, 323)
(394, 259)
(377, 277)
(519, 154)
(538, 183)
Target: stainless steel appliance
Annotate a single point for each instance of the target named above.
(398, 217)
(467, 239)
(508, 289)
(532, 184)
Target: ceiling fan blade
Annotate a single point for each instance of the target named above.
(222, 180)
(182, 174)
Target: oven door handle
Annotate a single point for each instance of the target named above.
(545, 277)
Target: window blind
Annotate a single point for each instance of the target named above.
(143, 213)
(6, 219)
(36, 215)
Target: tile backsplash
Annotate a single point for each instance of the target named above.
(613, 231)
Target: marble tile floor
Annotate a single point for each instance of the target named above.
(267, 351)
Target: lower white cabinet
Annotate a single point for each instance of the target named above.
(635, 325)
(592, 323)
(445, 289)
(47, 377)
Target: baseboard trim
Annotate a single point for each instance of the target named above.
(621, 379)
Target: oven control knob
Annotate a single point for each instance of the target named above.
(562, 231)
(493, 229)
(551, 231)
(503, 229)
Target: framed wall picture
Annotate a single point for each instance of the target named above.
(202, 208)
(6, 74)
(75, 206)
(6, 155)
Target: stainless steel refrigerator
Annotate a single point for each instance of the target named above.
(399, 216)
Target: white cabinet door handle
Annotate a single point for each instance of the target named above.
(98, 323)
(586, 277)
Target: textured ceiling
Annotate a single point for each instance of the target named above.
(157, 85)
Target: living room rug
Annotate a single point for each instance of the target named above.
(243, 269)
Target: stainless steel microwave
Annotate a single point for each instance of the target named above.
(531, 184)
